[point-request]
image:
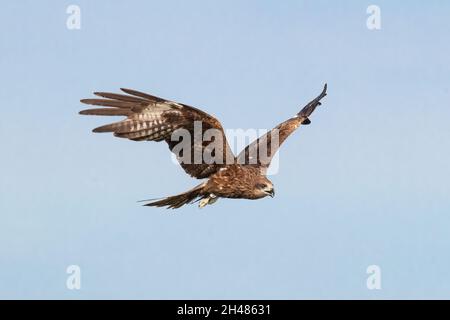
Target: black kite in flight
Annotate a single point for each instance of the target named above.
(151, 118)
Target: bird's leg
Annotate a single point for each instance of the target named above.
(210, 199)
(203, 202)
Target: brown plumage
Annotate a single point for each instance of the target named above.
(150, 118)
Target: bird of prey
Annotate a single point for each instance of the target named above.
(150, 118)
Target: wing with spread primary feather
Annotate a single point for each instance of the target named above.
(150, 118)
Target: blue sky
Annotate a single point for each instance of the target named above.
(366, 184)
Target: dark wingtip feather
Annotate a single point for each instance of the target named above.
(143, 95)
(120, 97)
(312, 105)
(84, 112)
(99, 130)
(105, 112)
(105, 128)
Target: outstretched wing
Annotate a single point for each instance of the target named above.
(261, 151)
(151, 118)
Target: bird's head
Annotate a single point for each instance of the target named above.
(264, 188)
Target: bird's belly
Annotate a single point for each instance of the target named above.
(233, 190)
(235, 181)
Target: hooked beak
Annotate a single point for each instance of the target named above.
(272, 193)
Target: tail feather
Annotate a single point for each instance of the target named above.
(311, 106)
(174, 202)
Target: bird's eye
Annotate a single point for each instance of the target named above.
(261, 186)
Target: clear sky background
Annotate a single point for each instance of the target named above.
(367, 183)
